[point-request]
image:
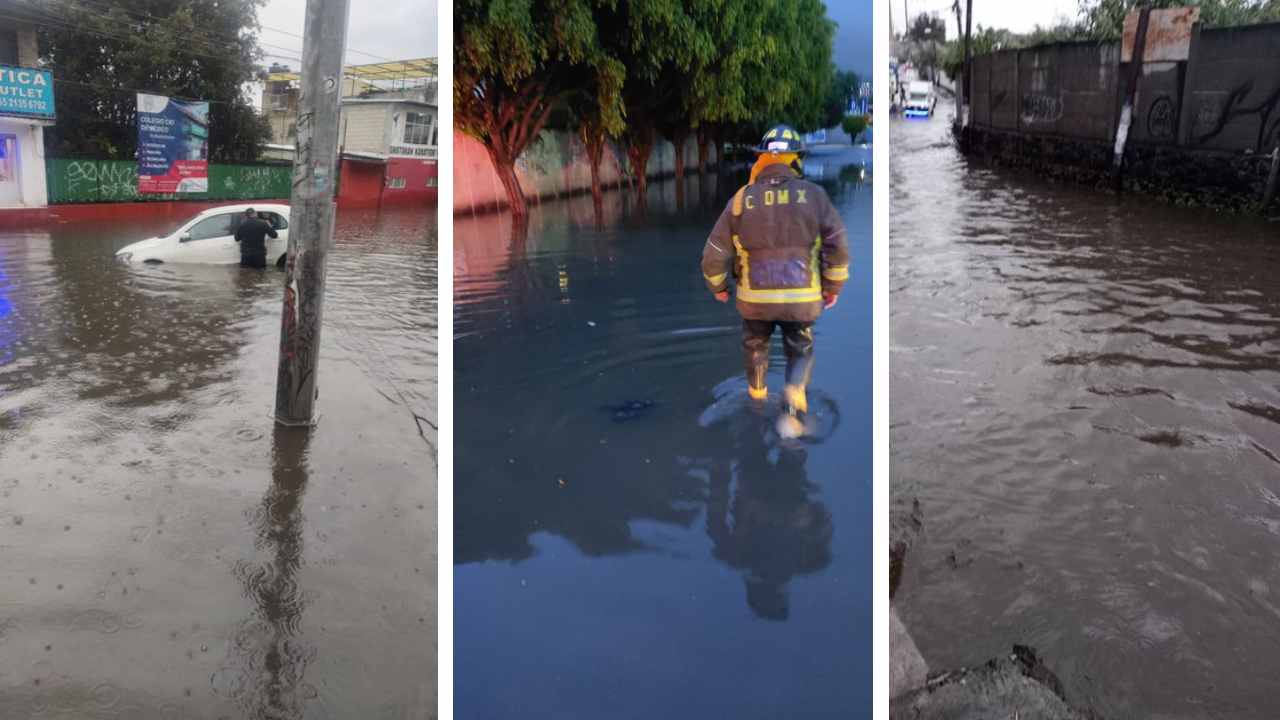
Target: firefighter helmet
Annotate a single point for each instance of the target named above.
(781, 139)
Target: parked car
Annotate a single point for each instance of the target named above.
(209, 238)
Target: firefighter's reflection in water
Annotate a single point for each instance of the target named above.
(763, 519)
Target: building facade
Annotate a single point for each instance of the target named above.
(26, 108)
(387, 133)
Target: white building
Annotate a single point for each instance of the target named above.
(26, 107)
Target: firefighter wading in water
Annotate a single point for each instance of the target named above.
(784, 243)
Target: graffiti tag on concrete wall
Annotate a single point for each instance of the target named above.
(1041, 108)
(1161, 119)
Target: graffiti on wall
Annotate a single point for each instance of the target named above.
(103, 180)
(1161, 119)
(1041, 108)
(1216, 111)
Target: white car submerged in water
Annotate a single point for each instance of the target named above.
(210, 238)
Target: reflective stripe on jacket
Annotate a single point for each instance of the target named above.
(783, 242)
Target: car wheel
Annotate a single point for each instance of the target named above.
(153, 261)
(281, 261)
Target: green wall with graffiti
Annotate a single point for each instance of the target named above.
(95, 181)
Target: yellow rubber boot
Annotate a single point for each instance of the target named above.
(797, 402)
(756, 386)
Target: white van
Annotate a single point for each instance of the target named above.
(920, 99)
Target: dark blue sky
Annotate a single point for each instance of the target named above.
(853, 36)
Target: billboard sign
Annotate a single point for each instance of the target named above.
(173, 145)
(26, 92)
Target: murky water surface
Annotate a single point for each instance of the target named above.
(165, 552)
(1086, 402)
(632, 541)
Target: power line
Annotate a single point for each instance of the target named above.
(349, 49)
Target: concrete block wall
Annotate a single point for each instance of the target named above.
(1225, 97)
(555, 165)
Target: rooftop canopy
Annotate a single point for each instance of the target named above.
(393, 71)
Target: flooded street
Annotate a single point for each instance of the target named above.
(625, 522)
(1086, 403)
(165, 551)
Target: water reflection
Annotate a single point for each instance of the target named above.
(764, 518)
(269, 654)
(617, 502)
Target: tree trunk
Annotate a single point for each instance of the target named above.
(704, 148)
(638, 152)
(593, 140)
(505, 167)
(680, 139)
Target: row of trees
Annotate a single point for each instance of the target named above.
(1103, 20)
(635, 71)
(102, 54)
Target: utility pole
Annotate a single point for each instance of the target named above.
(312, 212)
(1131, 89)
(968, 61)
(906, 18)
(959, 87)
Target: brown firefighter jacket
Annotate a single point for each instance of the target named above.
(785, 244)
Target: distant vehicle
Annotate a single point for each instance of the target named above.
(210, 238)
(920, 99)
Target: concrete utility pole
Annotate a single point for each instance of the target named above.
(315, 167)
(968, 61)
(1131, 90)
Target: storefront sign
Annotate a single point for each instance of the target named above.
(425, 151)
(26, 92)
(173, 145)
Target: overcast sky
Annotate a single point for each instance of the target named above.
(853, 36)
(395, 29)
(1016, 15)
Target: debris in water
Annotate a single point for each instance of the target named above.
(630, 410)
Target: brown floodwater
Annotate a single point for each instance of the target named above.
(165, 551)
(1086, 403)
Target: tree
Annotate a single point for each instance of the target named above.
(104, 55)
(853, 125)
(843, 90)
(514, 61)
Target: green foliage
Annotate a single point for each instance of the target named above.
(512, 56)
(1104, 19)
(928, 28)
(853, 125)
(183, 48)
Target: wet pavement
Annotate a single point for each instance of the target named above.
(165, 551)
(632, 540)
(1086, 403)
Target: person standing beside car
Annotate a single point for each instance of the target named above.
(252, 236)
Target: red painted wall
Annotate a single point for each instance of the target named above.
(360, 183)
(97, 212)
(416, 174)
